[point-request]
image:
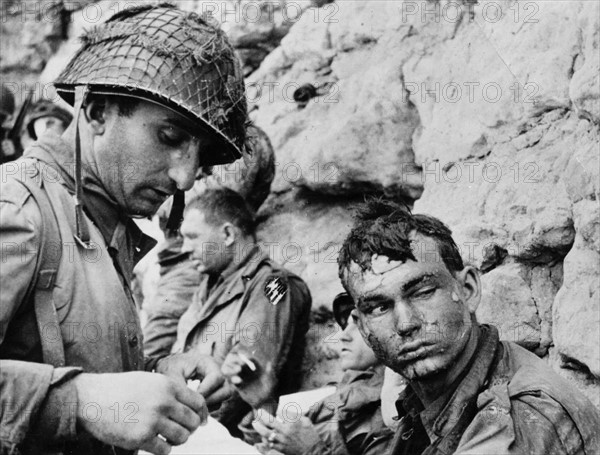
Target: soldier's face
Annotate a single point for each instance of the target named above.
(143, 158)
(204, 242)
(43, 124)
(355, 354)
(416, 316)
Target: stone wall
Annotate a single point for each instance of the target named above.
(486, 115)
(483, 114)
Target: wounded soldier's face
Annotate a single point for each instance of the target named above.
(415, 315)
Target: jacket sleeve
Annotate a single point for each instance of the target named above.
(28, 391)
(268, 326)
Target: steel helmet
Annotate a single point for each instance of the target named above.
(162, 54)
(46, 108)
(7, 102)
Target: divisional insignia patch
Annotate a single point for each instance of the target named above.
(275, 289)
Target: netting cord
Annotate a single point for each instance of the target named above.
(83, 234)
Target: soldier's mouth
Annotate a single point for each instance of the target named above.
(416, 350)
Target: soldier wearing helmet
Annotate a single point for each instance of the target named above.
(7, 105)
(157, 93)
(45, 115)
(7, 108)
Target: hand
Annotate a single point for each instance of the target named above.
(290, 438)
(244, 373)
(138, 410)
(189, 365)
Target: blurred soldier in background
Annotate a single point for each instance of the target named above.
(44, 115)
(249, 313)
(157, 94)
(11, 146)
(250, 177)
(346, 422)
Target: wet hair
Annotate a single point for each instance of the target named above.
(220, 205)
(382, 227)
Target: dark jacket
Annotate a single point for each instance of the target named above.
(260, 309)
(508, 401)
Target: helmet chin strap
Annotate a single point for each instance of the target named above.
(83, 234)
(176, 215)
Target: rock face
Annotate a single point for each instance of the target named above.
(484, 114)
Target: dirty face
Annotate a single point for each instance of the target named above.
(143, 158)
(415, 315)
(49, 123)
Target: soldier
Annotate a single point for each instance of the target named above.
(249, 313)
(467, 391)
(157, 93)
(346, 422)
(179, 279)
(45, 115)
(7, 108)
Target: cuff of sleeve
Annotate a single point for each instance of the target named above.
(151, 362)
(58, 414)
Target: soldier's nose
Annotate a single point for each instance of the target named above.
(407, 319)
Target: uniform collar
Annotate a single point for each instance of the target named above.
(249, 264)
(440, 417)
(117, 229)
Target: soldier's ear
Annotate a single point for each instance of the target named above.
(470, 283)
(229, 233)
(95, 112)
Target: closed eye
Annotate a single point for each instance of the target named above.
(423, 293)
(173, 136)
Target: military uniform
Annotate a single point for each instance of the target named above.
(251, 178)
(261, 310)
(38, 401)
(349, 421)
(154, 53)
(177, 284)
(507, 401)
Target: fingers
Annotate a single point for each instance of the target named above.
(157, 446)
(270, 421)
(218, 396)
(174, 433)
(212, 382)
(186, 417)
(232, 366)
(263, 430)
(192, 400)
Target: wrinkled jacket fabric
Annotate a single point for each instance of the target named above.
(507, 402)
(178, 282)
(98, 320)
(349, 422)
(235, 314)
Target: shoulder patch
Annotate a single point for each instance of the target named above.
(275, 289)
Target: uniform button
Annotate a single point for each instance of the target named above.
(133, 341)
